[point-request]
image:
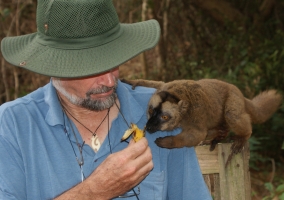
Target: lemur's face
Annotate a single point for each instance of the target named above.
(163, 112)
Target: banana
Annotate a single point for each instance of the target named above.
(137, 133)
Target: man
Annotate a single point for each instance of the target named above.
(63, 141)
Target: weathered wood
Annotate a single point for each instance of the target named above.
(231, 183)
(234, 180)
(208, 182)
(217, 189)
(208, 160)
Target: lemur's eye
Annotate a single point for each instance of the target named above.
(165, 117)
(150, 111)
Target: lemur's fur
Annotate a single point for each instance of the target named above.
(205, 108)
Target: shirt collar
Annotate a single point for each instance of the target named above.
(54, 115)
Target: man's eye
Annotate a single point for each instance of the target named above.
(150, 111)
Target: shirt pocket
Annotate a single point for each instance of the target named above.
(152, 187)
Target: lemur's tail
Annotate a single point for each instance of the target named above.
(263, 106)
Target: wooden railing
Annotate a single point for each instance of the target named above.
(230, 183)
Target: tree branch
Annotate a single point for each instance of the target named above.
(265, 10)
(222, 11)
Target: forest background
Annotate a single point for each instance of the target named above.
(238, 41)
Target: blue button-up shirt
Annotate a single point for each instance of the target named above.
(38, 162)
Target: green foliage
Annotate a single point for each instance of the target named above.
(5, 13)
(270, 135)
(275, 191)
(255, 157)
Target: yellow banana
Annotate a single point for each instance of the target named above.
(137, 133)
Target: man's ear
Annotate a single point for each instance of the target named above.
(183, 106)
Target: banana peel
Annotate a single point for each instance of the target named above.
(137, 133)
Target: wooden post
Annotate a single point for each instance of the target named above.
(231, 183)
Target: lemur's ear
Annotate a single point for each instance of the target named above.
(183, 106)
(166, 96)
(163, 95)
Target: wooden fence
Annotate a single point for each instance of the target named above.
(230, 183)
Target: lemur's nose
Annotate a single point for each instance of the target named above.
(150, 129)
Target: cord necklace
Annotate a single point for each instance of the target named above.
(80, 147)
(95, 143)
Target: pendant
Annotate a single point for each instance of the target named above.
(95, 143)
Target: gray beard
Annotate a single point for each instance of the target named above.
(98, 104)
(88, 102)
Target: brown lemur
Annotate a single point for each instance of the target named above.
(205, 108)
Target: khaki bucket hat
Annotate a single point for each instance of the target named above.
(78, 38)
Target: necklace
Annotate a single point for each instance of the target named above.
(80, 147)
(95, 142)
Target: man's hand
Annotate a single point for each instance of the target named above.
(116, 175)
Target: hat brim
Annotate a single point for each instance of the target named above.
(26, 52)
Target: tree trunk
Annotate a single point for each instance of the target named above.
(4, 78)
(15, 70)
(164, 40)
(142, 55)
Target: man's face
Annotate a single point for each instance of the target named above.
(93, 93)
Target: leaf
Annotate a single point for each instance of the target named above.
(281, 197)
(5, 12)
(269, 186)
(280, 189)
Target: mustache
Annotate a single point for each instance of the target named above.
(100, 90)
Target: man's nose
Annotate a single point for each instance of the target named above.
(107, 79)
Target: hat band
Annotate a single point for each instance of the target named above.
(80, 43)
